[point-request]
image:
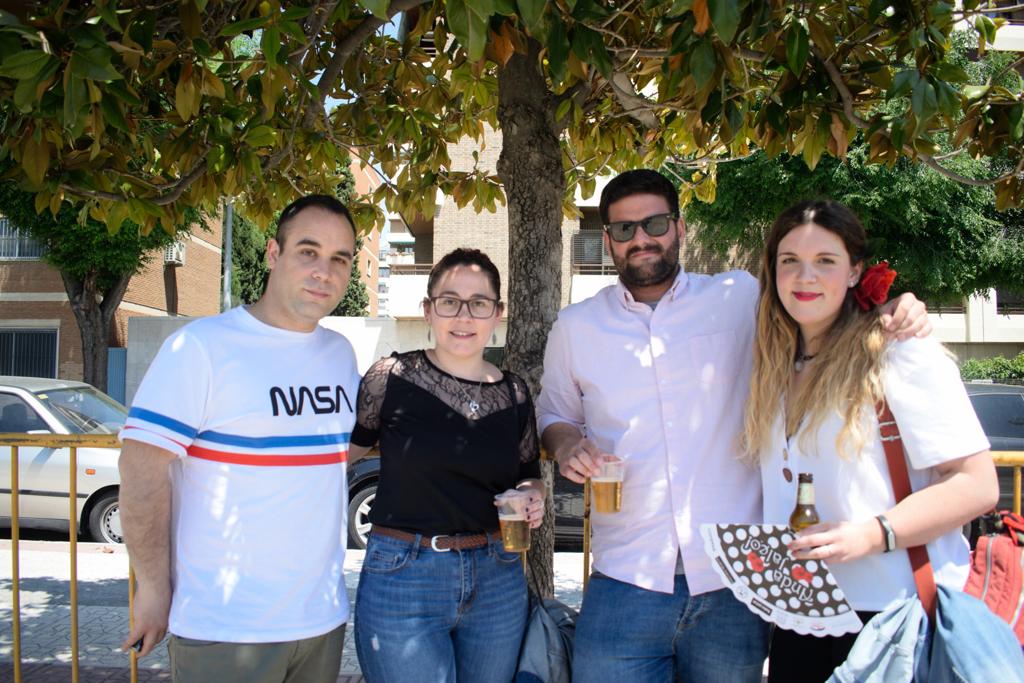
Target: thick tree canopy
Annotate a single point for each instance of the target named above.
(141, 109)
(945, 239)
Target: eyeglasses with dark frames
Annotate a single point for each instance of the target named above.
(655, 226)
(450, 306)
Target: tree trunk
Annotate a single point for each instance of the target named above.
(530, 167)
(94, 310)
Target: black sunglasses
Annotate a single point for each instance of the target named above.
(655, 226)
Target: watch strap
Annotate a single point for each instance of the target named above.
(887, 532)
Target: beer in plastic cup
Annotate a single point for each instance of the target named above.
(607, 486)
(515, 530)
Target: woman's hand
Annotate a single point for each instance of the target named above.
(534, 507)
(838, 541)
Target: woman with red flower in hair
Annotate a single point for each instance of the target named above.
(820, 339)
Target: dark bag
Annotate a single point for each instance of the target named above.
(997, 569)
(546, 652)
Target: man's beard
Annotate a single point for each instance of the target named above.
(649, 273)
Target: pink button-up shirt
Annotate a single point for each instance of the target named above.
(665, 390)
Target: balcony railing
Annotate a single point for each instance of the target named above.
(410, 269)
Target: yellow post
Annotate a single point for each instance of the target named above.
(1016, 490)
(15, 574)
(133, 656)
(73, 552)
(586, 533)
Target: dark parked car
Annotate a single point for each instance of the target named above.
(1000, 409)
(362, 488)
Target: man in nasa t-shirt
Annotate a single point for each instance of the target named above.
(233, 490)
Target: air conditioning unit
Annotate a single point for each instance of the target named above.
(174, 254)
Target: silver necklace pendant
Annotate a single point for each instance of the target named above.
(474, 407)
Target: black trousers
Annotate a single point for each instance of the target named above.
(795, 658)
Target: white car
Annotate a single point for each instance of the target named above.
(51, 406)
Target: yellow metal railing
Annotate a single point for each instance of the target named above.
(1014, 459)
(73, 443)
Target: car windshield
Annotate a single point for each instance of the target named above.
(84, 410)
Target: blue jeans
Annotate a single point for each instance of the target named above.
(626, 633)
(439, 617)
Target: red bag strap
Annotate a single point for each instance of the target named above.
(892, 442)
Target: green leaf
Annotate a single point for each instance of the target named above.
(93, 63)
(725, 17)
(243, 26)
(112, 113)
(950, 72)
(109, 15)
(532, 13)
(589, 11)
(949, 99)
(558, 49)
(975, 92)
(120, 90)
(25, 64)
(797, 48)
(468, 21)
(923, 101)
(76, 105)
(588, 45)
(260, 136)
(379, 8)
(8, 19)
(1016, 117)
(986, 28)
(903, 82)
(27, 93)
(270, 42)
(703, 63)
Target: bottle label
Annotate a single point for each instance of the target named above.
(805, 494)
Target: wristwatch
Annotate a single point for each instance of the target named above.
(887, 533)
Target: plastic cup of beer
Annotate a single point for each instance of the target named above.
(606, 487)
(515, 530)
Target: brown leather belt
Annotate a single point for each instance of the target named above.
(440, 543)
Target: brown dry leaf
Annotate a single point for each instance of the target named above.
(838, 134)
(702, 15)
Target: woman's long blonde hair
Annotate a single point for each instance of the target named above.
(845, 376)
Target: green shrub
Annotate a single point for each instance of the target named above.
(996, 369)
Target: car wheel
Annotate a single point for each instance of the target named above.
(105, 519)
(359, 515)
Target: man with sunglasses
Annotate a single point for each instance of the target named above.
(655, 369)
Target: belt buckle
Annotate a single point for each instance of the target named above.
(433, 544)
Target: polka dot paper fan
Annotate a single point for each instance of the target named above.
(798, 595)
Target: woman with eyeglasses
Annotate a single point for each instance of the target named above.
(822, 367)
(439, 599)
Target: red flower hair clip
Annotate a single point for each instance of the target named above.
(873, 288)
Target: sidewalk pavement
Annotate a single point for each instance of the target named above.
(103, 612)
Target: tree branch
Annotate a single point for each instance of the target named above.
(346, 46)
(633, 104)
(847, 98)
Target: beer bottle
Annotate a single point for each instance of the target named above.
(804, 514)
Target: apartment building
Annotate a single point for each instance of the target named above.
(38, 332)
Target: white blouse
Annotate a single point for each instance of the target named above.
(923, 388)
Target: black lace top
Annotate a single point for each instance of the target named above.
(441, 462)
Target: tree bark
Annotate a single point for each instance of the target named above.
(530, 167)
(94, 311)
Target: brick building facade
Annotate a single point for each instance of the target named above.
(35, 315)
